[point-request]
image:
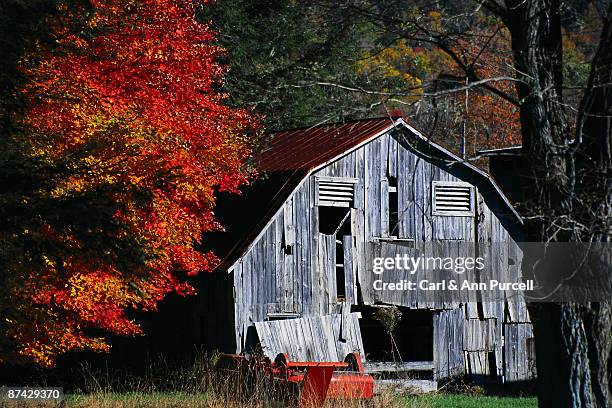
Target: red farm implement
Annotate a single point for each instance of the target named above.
(305, 383)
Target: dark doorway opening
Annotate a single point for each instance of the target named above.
(413, 336)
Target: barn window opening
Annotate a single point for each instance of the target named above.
(393, 206)
(336, 221)
(452, 198)
(331, 219)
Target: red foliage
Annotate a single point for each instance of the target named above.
(125, 98)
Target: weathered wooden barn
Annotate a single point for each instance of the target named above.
(296, 277)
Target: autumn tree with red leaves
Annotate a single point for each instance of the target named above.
(124, 139)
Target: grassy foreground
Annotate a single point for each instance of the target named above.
(200, 384)
(188, 400)
(138, 399)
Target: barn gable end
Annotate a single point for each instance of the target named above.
(378, 185)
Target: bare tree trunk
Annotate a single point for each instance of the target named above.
(593, 164)
(571, 198)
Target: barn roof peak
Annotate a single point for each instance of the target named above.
(307, 148)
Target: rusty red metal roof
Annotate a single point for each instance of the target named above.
(305, 149)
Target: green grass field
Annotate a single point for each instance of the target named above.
(468, 401)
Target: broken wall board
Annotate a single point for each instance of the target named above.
(481, 335)
(519, 352)
(448, 343)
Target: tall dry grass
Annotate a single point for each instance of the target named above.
(198, 384)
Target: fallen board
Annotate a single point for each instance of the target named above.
(315, 338)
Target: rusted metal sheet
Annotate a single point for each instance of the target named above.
(310, 147)
(299, 383)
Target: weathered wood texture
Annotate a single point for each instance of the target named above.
(290, 266)
(519, 353)
(448, 343)
(315, 338)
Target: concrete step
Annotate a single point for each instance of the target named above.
(376, 367)
(405, 386)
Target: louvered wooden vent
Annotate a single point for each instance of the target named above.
(335, 191)
(452, 198)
